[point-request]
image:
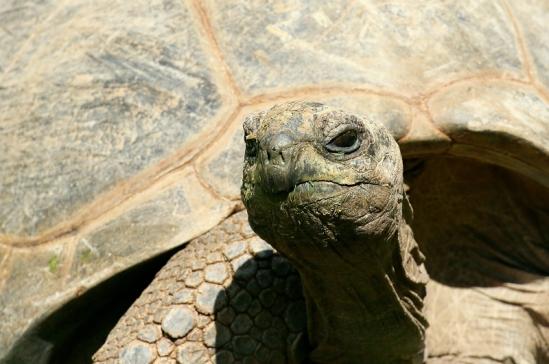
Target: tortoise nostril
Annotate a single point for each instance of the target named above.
(276, 147)
(276, 163)
(275, 156)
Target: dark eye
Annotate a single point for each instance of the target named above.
(346, 142)
(251, 148)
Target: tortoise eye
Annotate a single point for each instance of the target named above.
(346, 142)
(251, 147)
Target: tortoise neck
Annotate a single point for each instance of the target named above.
(367, 313)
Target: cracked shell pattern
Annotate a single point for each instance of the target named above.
(227, 297)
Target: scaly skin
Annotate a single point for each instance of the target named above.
(254, 315)
(325, 188)
(362, 271)
(361, 267)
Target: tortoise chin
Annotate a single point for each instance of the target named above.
(323, 213)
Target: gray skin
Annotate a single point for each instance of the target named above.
(325, 188)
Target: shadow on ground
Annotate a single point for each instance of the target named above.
(75, 331)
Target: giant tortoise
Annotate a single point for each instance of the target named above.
(121, 139)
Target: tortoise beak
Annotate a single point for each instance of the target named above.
(276, 162)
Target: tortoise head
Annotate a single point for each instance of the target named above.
(314, 174)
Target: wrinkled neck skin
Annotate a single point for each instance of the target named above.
(369, 312)
(325, 188)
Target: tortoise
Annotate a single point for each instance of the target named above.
(121, 139)
(347, 281)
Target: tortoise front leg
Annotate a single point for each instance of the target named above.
(226, 297)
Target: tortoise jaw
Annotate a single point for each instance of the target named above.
(311, 190)
(306, 191)
(322, 187)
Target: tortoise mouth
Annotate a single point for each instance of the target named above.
(317, 187)
(312, 191)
